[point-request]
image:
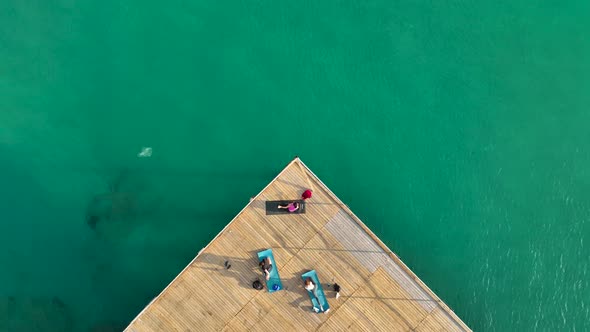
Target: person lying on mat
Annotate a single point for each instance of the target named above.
(266, 266)
(294, 206)
(310, 286)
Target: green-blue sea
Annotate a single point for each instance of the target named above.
(131, 132)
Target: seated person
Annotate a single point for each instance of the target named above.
(306, 194)
(294, 206)
(266, 267)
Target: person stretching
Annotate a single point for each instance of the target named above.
(266, 267)
(292, 207)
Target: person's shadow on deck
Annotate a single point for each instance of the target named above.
(244, 270)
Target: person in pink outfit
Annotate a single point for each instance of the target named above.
(306, 194)
(294, 206)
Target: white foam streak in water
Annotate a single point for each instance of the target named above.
(145, 152)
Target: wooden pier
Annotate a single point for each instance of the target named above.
(378, 291)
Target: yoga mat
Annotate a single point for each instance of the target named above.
(321, 297)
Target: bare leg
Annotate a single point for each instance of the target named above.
(317, 298)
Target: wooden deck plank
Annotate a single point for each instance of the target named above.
(438, 320)
(379, 293)
(394, 297)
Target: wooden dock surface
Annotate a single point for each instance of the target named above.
(378, 292)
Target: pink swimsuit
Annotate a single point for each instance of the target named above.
(292, 207)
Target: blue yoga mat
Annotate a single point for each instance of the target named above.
(274, 283)
(321, 297)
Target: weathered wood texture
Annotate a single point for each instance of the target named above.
(379, 292)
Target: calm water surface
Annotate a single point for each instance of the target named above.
(457, 131)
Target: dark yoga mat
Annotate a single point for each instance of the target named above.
(272, 207)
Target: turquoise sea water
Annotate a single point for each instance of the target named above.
(457, 131)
